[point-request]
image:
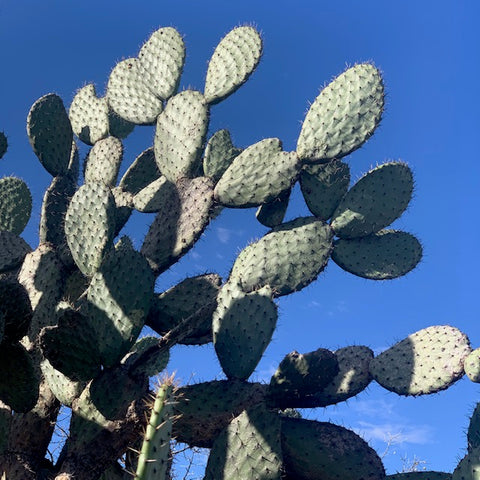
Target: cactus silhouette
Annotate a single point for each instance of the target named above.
(72, 309)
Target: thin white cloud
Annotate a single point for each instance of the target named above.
(224, 234)
(400, 432)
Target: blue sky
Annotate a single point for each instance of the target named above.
(428, 52)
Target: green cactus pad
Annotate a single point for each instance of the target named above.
(343, 116)
(258, 175)
(288, 258)
(50, 133)
(425, 362)
(71, 346)
(12, 251)
(3, 144)
(89, 115)
(473, 433)
(161, 62)
(155, 452)
(179, 223)
(382, 256)
(205, 409)
(54, 207)
(300, 376)
(323, 186)
(232, 62)
(271, 214)
(119, 127)
(353, 377)
(472, 366)
(64, 389)
(103, 162)
(194, 297)
(119, 299)
(420, 475)
(90, 225)
(249, 448)
(15, 204)
(219, 154)
(151, 198)
(19, 391)
(15, 309)
(179, 136)
(141, 172)
(375, 201)
(469, 467)
(323, 451)
(148, 369)
(243, 325)
(128, 95)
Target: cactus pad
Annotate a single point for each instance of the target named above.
(15, 204)
(219, 154)
(472, 366)
(12, 250)
(103, 161)
(3, 144)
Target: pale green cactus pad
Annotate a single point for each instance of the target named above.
(89, 115)
(472, 366)
(161, 61)
(375, 201)
(140, 173)
(232, 62)
(154, 366)
(219, 154)
(50, 133)
(15, 204)
(151, 198)
(425, 362)
(323, 186)
(288, 258)
(103, 161)
(343, 116)
(242, 324)
(179, 136)
(90, 225)
(382, 256)
(248, 448)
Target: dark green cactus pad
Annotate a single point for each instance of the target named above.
(382, 256)
(374, 202)
(71, 346)
(257, 175)
(248, 449)
(103, 162)
(50, 133)
(323, 186)
(288, 258)
(141, 172)
(15, 204)
(343, 116)
(469, 467)
(179, 136)
(232, 62)
(472, 366)
(15, 309)
(219, 154)
(205, 409)
(19, 390)
(149, 368)
(425, 362)
(353, 377)
(64, 389)
(193, 298)
(128, 95)
(300, 376)
(54, 208)
(271, 214)
(420, 475)
(119, 127)
(151, 198)
(179, 223)
(473, 433)
(161, 61)
(119, 299)
(89, 115)
(3, 144)
(12, 251)
(243, 325)
(124, 208)
(323, 451)
(90, 226)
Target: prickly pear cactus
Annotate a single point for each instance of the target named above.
(73, 308)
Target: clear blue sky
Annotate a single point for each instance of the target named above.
(429, 53)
